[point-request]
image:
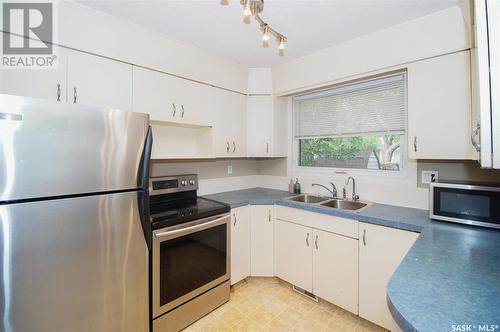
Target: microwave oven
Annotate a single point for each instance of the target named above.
(465, 203)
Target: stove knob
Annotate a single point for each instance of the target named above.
(183, 183)
(191, 182)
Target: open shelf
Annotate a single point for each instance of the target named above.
(181, 141)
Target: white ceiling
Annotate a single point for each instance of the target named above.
(309, 25)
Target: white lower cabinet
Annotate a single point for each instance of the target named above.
(335, 269)
(240, 244)
(293, 254)
(381, 250)
(262, 240)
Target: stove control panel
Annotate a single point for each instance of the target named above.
(173, 184)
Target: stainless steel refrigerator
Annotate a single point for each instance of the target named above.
(73, 217)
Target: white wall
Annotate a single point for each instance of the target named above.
(86, 29)
(436, 34)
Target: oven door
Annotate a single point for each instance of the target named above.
(188, 260)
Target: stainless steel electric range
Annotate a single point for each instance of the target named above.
(191, 252)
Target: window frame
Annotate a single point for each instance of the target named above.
(295, 153)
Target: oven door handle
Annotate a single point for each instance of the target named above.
(191, 229)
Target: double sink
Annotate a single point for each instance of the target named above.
(334, 203)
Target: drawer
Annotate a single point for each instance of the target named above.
(343, 226)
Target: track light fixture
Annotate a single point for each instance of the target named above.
(252, 8)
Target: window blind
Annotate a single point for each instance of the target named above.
(374, 107)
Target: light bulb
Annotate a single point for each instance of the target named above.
(265, 35)
(265, 43)
(224, 2)
(281, 47)
(247, 11)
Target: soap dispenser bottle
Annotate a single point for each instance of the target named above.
(291, 187)
(296, 186)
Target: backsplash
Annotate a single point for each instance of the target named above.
(466, 170)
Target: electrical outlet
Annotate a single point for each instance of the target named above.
(229, 169)
(429, 176)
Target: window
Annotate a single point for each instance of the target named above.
(360, 125)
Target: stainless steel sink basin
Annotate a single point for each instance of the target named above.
(305, 198)
(344, 205)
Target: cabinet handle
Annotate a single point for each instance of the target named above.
(307, 239)
(75, 95)
(267, 147)
(474, 136)
(58, 92)
(234, 223)
(415, 143)
(316, 242)
(269, 216)
(227, 148)
(234, 147)
(364, 237)
(174, 109)
(182, 113)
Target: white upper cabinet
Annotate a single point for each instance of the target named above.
(259, 126)
(153, 93)
(439, 108)
(381, 250)
(262, 240)
(229, 124)
(171, 99)
(97, 81)
(486, 81)
(266, 117)
(47, 84)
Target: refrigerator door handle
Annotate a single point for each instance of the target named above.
(142, 184)
(143, 173)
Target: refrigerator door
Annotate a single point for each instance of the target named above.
(75, 264)
(51, 149)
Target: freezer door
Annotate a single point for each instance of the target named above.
(78, 264)
(51, 149)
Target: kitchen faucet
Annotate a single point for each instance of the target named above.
(355, 197)
(333, 191)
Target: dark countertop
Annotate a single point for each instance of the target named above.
(450, 276)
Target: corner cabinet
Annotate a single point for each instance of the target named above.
(240, 244)
(381, 250)
(266, 126)
(439, 108)
(262, 240)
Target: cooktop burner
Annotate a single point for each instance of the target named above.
(173, 201)
(170, 213)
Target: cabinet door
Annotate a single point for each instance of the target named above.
(381, 250)
(229, 124)
(153, 93)
(259, 126)
(47, 84)
(194, 102)
(240, 244)
(293, 254)
(335, 269)
(262, 240)
(439, 108)
(238, 124)
(96, 81)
